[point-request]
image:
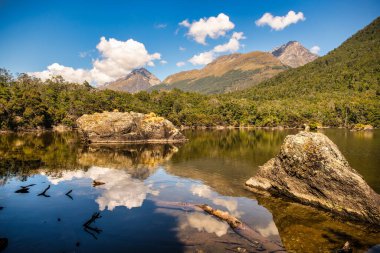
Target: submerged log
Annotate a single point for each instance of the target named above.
(239, 227)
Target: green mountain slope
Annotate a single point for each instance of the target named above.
(344, 83)
(354, 67)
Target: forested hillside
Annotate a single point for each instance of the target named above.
(345, 82)
(339, 89)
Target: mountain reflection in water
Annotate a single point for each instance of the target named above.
(211, 168)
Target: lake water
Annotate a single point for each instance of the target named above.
(143, 184)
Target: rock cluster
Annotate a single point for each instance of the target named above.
(127, 127)
(311, 170)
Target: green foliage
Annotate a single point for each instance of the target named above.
(339, 89)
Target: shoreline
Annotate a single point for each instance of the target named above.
(69, 129)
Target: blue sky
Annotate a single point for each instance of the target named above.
(36, 34)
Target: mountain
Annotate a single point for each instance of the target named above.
(344, 83)
(226, 73)
(137, 80)
(293, 54)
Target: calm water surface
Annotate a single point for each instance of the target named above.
(140, 181)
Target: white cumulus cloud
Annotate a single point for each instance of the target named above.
(180, 64)
(202, 58)
(232, 45)
(280, 22)
(117, 58)
(163, 62)
(68, 73)
(212, 27)
(315, 49)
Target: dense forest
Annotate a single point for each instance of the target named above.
(339, 89)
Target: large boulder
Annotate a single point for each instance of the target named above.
(127, 127)
(311, 170)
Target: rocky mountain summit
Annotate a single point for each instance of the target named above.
(137, 80)
(227, 73)
(293, 54)
(311, 170)
(127, 127)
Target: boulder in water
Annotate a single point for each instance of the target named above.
(127, 127)
(311, 170)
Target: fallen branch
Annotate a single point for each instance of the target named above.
(92, 230)
(68, 194)
(93, 218)
(96, 183)
(24, 189)
(44, 192)
(260, 242)
(28, 186)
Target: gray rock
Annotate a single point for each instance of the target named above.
(311, 170)
(294, 54)
(138, 80)
(127, 127)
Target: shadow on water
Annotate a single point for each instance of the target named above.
(306, 229)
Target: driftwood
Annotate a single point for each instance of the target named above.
(260, 242)
(68, 194)
(44, 192)
(92, 230)
(96, 183)
(24, 189)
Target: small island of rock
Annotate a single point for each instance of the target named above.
(311, 170)
(127, 127)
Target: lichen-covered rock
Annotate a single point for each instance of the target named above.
(311, 170)
(127, 127)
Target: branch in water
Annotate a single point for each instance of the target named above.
(68, 194)
(44, 192)
(24, 189)
(92, 230)
(239, 227)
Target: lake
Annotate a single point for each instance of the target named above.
(138, 188)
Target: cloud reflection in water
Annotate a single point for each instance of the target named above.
(204, 222)
(205, 191)
(120, 189)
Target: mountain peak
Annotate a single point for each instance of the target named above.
(142, 71)
(293, 54)
(137, 80)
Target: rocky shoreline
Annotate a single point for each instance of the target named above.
(63, 128)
